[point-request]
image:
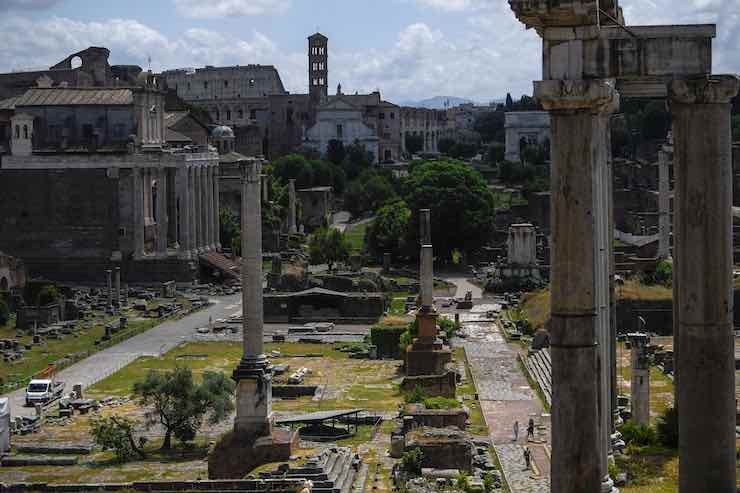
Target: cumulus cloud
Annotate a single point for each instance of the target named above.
(198, 9)
(455, 5)
(27, 4)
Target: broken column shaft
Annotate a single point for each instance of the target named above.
(704, 262)
(117, 301)
(580, 280)
(639, 379)
(109, 284)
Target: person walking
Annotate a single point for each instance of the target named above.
(527, 458)
(530, 430)
(516, 431)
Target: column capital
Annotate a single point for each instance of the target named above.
(251, 170)
(598, 95)
(713, 89)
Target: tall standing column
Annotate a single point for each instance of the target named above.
(664, 206)
(138, 208)
(209, 208)
(162, 218)
(579, 279)
(192, 199)
(426, 273)
(253, 375)
(217, 207)
(198, 176)
(292, 228)
(183, 194)
(109, 283)
(639, 379)
(703, 240)
(117, 300)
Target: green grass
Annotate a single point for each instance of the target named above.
(356, 237)
(398, 302)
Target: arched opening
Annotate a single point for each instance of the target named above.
(4, 284)
(17, 131)
(25, 131)
(76, 62)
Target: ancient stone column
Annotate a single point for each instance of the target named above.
(191, 212)
(426, 260)
(162, 219)
(703, 267)
(253, 375)
(217, 206)
(199, 208)
(183, 194)
(210, 237)
(580, 279)
(117, 301)
(640, 379)
(265, 188)
(664, 206)
(138, 211)
(292, 228)
(109, 283)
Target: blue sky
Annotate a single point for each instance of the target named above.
(409, 49)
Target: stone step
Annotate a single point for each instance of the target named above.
(342, 462)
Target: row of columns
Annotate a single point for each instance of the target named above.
(582, 331)
(184, 211)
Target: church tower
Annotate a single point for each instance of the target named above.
(318, 68)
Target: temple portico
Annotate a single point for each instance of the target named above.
(591, 60)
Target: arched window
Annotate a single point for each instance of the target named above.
(25, 131)
(228, 115)
(3, 284)
(17, 131)
(240, 113)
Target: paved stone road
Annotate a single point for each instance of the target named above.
(156, 341)
(506, 398)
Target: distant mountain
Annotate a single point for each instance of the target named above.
(437, 103)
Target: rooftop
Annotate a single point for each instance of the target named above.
(75, 97)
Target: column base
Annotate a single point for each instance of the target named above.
(607, 486)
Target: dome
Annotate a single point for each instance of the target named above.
(222, 132)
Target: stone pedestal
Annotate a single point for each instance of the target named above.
(236, 455)
(253, 399)
(705, 357)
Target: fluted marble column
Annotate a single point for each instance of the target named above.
(138, 211)
(217, 206)
(162, 218)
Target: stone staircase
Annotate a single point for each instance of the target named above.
(217, 261)
(539, 366)
(332, 471)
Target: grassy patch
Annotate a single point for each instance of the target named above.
(654, 471)
(398, 303)
(634, 290)
(536, 305)
(356, 237)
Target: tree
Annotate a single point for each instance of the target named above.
(335, 152)
(116, 433)
(230, 228)
(328, 246)
(368, 193)
(667, 428)
(462, 205)
(388, 232)
(414, 143)
(413, 460)
(358, 159)
(509, 102)
(490, 126)
(180, 406)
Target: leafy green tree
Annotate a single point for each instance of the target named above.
(462, 205)
(335, 152)
(357, 160)
(295, 167)
(490, 126)
(534, 155)
(116, 433)
(368, 193)
(388, 232)
(328, 246)
(414, 143)
(4, 312)
(667, 428)
(230, 227)
(47, 294)
(179, 405)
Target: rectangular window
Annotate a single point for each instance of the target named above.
(340, 131)
(321, 66)
(253, 114)
(393, 116)
(381, 116)
(205, 85)
(226, 83)
(321, 81)
(316, 82)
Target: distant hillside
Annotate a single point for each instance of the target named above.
(437, 103)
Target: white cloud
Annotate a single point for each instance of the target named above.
(211, 9)
(455, 5)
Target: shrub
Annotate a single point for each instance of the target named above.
(412, 461)
(387, 339)
(639, 435)
(448, 327)
(116, 433)
(4, 312)
(441, 403)
(667, 428)
(463, 482)
(415, 396)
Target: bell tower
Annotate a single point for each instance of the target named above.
(318, 68)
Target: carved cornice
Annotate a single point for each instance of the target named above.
(713, 89)
(541, 14)
(597, 95)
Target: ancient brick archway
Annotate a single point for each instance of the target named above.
(590, 60)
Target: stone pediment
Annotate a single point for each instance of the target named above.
(339, 104)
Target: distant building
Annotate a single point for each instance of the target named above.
(317, 204)
(185, 129)
(90, 183)
(526, 128)
(431, 125)
(12, 273)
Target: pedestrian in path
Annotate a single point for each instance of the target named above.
(530, 430)
(516, 431)
(527, 458)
